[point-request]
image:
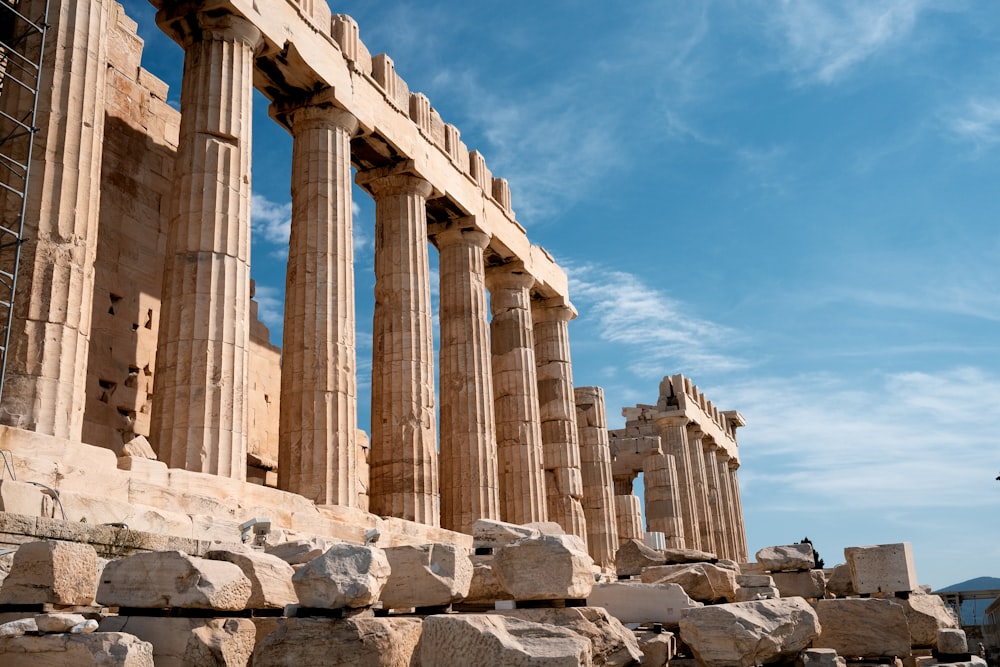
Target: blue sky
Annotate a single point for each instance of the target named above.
(792, 203)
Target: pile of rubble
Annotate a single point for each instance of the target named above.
(528, 595)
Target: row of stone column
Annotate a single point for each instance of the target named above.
(509, 443)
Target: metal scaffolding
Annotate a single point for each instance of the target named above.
(22, 40)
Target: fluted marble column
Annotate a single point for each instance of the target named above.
(560, 441)
(199, 415)
(739, 525)
(663, 512)
(628, 515)
(317, 454)
(46, 364)
(673, 434)
(727, 505)
(700, 477)
(515, 389)
(470, 482)
(722, 547)
(595, 469)
(404, 462)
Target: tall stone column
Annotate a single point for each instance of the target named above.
(595, 469)
(700, 476)
(560, 441)
(470, 482)
(628, 513)
(317, 436)
(200, 411)
(726, 498)
(722, 548)
(46, 363)
(663, 512)
(404, 463)
(739, 526)
(515, 389)
(673, 434)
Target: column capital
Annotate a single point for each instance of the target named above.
(552, 309)
(397, 179)
(511, 275)
(694, 431)
(733, 464)
(316, 110)
(189, 27)
(670, 420)
(460, 232)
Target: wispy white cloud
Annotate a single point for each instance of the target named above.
(271, 221)
(271, 307)
(978, 122)
(825, 41)
(653, 329)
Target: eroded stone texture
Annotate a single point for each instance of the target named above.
(270, 577)
(611, 643)
(319, 401)
(550, 567)
(595, 468)
(863, 627)
(787, 558)
(839, 582)
(952, 641)
(498, 641)
(635, 602)
(628, 515)
(702, 581)
(749, 633)
(46, 366)
(346, 575)
(180, 642)
(351, 642)
(634, 556)
(489, 534)
(926, 615)
(468, 425)
(663, 509)
(821, 657)
(63, 573)
(173, 579)
(403, 456)
(200, 413)
(706, 529)
(93, 648)
(806, 584)
(557, 410)
(515, 386)
(426, 576)
(883, 568)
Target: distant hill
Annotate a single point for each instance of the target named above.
(977, 584)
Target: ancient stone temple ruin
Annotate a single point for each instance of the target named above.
(200, 496)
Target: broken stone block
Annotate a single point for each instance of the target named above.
(63, 573)
(682, 556)
(270, 577)
(748, 633)
(821, 657)
(94, 648)
(863, 628)
(359, 642)
(489, 639)
(658, 648)
(839, 582)
(138, 447)
(178, 642)
(702, 581)
(805, 584)
(549, 567)
(750, 593)
(20, 498)
(18, 627)
(490, 534)
(611, 643)
(426, 576)
(173, 579)
(952, 641)
(754, 580)
(634, 602)
(926, 615)
(787, 558)
(882, 568)
(485, 587)
(299, 552)
(347, 575)
(57, 622)
(633, 557)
